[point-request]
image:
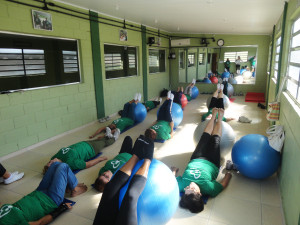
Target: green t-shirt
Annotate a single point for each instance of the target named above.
(76, 155)
(188, 97)
(30, 208)
(252, 61)
(162, 129)
(227, 64)
(204, 174)
(123, 122)
(209, 113)
(150, 104)
(116, 163)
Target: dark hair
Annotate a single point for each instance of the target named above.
(150, 133)
(193, 202)
(99, 184)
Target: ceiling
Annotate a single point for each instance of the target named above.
(193, 16)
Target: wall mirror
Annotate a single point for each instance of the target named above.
(203, 62)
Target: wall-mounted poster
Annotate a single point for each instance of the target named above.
(123, 35)
(41, 20)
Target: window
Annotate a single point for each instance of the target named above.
(157, 61)
(191, 58)
(181, 60)
(269, 59)
(201, 58)
(232, 56)
(33, 62)
(293, 74)
(120, 61)
(277, 51)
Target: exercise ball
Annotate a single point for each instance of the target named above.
(206, 80)
(209, 75)
(247, 75)
(254, 157)
(225, 75)
(232, 81)
(242, 71)
(214, 80)
(230, 90)
(195, 92)
(177, 114)
(160, 197)
(184, 101)
(239, 79)
(220, 80)
(140, 113)
(226, 101)
(227, 138)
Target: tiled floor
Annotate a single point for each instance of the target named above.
(244, 202)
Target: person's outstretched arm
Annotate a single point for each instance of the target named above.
(98, 132)
(226, 180)
(95, 161)
(43, 221)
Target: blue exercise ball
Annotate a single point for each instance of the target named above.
(206, 80)
(242, 71)
(225, 75)
(160, 197)
(195, 92)
(230, 90)
(140, 113)
(209, 75)
(176, 112)
(254, 157)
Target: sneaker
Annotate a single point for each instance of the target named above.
(117, 134)
(156, 99)
(160, 100)
(244, 119)
(108, 133)
(194, 81)
(139, 97)
(169, 94)
(221, 86)
(102, 120)
(218, 86)
(13, 177)
(229, 165)
(172, 97)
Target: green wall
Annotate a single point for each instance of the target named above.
(289, 175)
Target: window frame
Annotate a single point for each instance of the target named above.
(159, 66)
(277, 44)
(136, 57)
(232, 60)
(194, 59)
(182, 53)
(203, 58)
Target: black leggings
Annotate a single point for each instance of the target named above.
(108, 212)
(225, 83)
(208, 148)
(216, 102)
(127, 146)
(2, 170)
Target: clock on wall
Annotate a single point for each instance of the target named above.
(220, 42)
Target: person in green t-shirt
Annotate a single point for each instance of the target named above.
(252, 61)
(45, 203)
(199, 177)
(227, 65)
(152, 104)
(164, 124)
(78, 156)
(126, 152)
(217, 101)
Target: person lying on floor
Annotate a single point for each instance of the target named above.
(216, 101)
(177, 95)
(126, 152)
(108, 212)
(152, 104)
(127, 118)
(44, 204)
(199, 177)
(7, 177)
(164, 124)
(79, 156)
(188, 90)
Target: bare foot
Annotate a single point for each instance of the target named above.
(229, 119)
(79, 189)
(221, 113)
(214, 112)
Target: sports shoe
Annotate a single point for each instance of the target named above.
(139, 97)
(160, 100)
(230, 165)
(222, 87)
(169, 94)
(156, 99)
(194, 81)
(136, 96)
(117, 134)
(244, 119)
(218, 86)
(13, 177)
(108, 132)
(172, 97)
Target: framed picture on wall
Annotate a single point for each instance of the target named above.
(123, 35)
(42, 20)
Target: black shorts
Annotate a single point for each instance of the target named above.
(208, 148)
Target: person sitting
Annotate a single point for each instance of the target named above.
(188, 90)
(199, 177)
(126, 152)
(45, 203)
(177, 95)
(127, 118)
(217, 101)
(79, 156)
(152, 104)
(164, 124)
(7, 177)
(108, 212)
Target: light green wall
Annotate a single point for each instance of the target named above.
(29, 117)
(290, 118)
(262, 41)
